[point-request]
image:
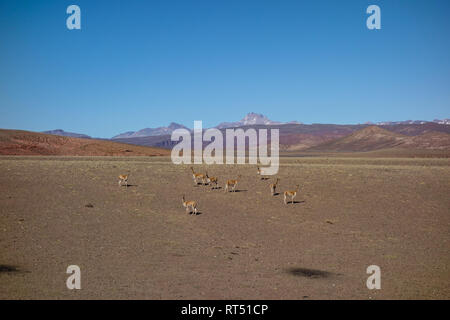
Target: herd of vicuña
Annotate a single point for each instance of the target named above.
(229, 186)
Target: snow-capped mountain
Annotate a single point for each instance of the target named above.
(389, 123)
(148, 132)
(251, 119)
(443, 121)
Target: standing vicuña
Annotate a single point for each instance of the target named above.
(192, 205)
(212, 180)
(291, 193)
(232, 184)
(273, 187)
(197, 176)
(260, 174)
(123, 178)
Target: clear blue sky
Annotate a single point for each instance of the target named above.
(137, 64)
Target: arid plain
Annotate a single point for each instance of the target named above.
(138, 241)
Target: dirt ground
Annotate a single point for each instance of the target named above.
(138, 241)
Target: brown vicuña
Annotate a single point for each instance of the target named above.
(191, 206)
(212, 180)
(291, 193)
(123, 178)
(197, 176)
(260, 174)
(273, 187)
(232, 184)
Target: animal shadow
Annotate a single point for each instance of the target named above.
(309, 273)
(195, 214)
(5, 268)
(295, 202)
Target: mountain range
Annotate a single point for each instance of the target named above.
(294, 136)
(317, 137)
(148, 132)
(251, 119)
(387, 123)
(398, 139)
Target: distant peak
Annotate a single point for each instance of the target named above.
(61, 132)
(251, 118)
(147, 132)
(373, 128)
(174, 125)
(253, 115)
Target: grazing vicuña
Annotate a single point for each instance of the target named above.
(191, 206)
(212, 181)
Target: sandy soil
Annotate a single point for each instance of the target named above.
(138, 242)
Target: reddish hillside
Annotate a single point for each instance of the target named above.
(376, 138)
(431, 140)
(417, 129)
(16, 142)
(302, 141)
